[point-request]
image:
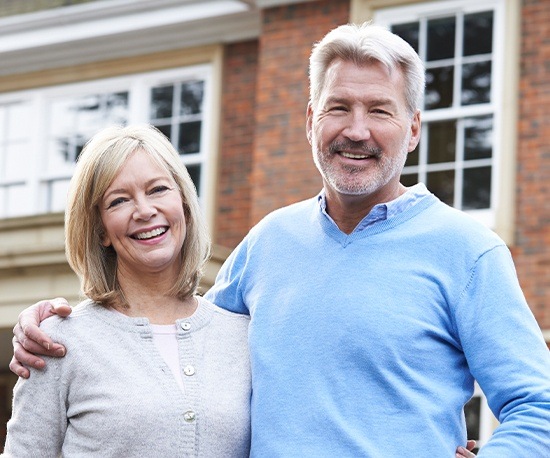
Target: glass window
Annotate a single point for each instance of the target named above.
(36, 164)
(15, 158)
(455, 157)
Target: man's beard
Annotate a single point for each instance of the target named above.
(346, 179)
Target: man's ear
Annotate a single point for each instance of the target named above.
(309, 118)
(416, 128)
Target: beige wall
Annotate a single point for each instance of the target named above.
(33, 267)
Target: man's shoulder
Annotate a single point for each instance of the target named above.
(290, 214)
(459, 225)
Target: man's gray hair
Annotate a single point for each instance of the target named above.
(362, 44)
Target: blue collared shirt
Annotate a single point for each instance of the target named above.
(383, 211)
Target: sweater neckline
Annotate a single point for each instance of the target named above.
(332, 230)
(200, 318)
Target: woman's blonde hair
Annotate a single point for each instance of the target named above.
(98, 164)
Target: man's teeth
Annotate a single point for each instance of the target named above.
(150, 234)
(354, 156)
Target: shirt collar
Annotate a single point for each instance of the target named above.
(383, 211)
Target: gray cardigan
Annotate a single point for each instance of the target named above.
(113, 394)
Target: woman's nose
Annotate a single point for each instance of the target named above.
(144, 209)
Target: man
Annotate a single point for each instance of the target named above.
(374, 307)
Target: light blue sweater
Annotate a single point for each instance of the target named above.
(368, 344)
(113, 395)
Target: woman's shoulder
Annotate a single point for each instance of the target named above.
(78, 320)
(226, 314)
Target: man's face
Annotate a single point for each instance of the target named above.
(361, 131)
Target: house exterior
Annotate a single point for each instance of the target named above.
(226, 80)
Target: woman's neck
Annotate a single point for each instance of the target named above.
(148, 296)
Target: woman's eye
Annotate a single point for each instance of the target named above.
(160, 188)
(116, 202)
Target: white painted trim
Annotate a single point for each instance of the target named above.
(272, 3)
(108, 30)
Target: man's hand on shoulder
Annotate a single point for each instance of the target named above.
(29, 340)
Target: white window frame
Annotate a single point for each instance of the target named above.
(431, 10)
(139, 87)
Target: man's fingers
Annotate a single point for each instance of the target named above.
(29, 322)
(60, 307)
(23, 357)
(19, 369)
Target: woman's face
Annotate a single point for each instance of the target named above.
(142, 213)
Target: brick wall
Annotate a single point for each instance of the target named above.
(532, 249)
(283, 170)
(238, 112)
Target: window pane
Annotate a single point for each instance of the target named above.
(190, 137)
(195, 173)
(15, 200)
(476, 192)
(478, 138)
(476, 83)
(441, 142)
(472, 412)
(442, 185)
(478, 33)
(166, 130)
(161, 102)
(18, 122)
(116, 108)
(64, 152)
(88, 114)
(441, 38)
(191, 97)
(409, 32)
(73, 121)
(16, 161)
(409, 179)
(58, 195)
(439, 88)
(412, 157)
(3, 117)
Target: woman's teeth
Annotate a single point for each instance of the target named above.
(150, 234)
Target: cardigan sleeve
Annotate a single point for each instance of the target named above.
(39, 414)
(507, 355)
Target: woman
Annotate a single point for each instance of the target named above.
(152, 368)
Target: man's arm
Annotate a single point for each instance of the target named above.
(507, 355)
(29, 340)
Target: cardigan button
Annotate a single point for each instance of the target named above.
(189, 416)
(189, 370)
(186, 325)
